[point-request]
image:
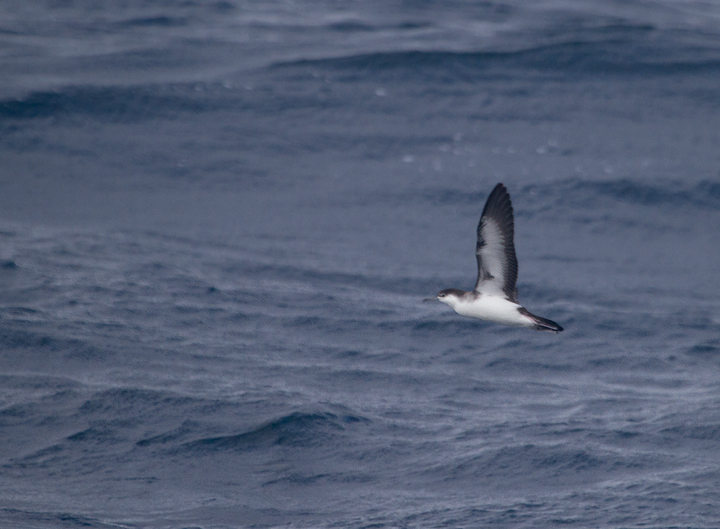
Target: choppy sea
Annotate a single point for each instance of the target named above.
(218, 220)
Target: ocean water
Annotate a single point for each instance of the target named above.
(218, 220)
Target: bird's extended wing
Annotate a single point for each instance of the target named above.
(497, 263)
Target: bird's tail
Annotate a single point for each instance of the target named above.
(542, 324)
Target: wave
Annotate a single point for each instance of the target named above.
(46, 345)
(131, 400)
(552, 465)
(578, 193)
(295, 429)
(704, 194)
(47, 518)
(639, 50)
(633, 50)
(114, 103)
(161, 21)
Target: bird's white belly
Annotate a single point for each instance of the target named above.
(494, 308)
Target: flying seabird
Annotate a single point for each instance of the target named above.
(494, 297)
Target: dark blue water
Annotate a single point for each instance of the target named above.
(218, 221)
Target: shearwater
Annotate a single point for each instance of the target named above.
(494, 297)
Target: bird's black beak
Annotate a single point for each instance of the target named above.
(430, 299)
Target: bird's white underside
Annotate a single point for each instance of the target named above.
(490, 308)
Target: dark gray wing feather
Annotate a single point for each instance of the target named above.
(495, 251)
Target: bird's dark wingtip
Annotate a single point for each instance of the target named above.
(541, 324)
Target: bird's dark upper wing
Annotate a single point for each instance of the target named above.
(497, 263)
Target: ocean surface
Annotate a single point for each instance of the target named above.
(218, 220)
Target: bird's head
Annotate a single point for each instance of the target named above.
(451, 296)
